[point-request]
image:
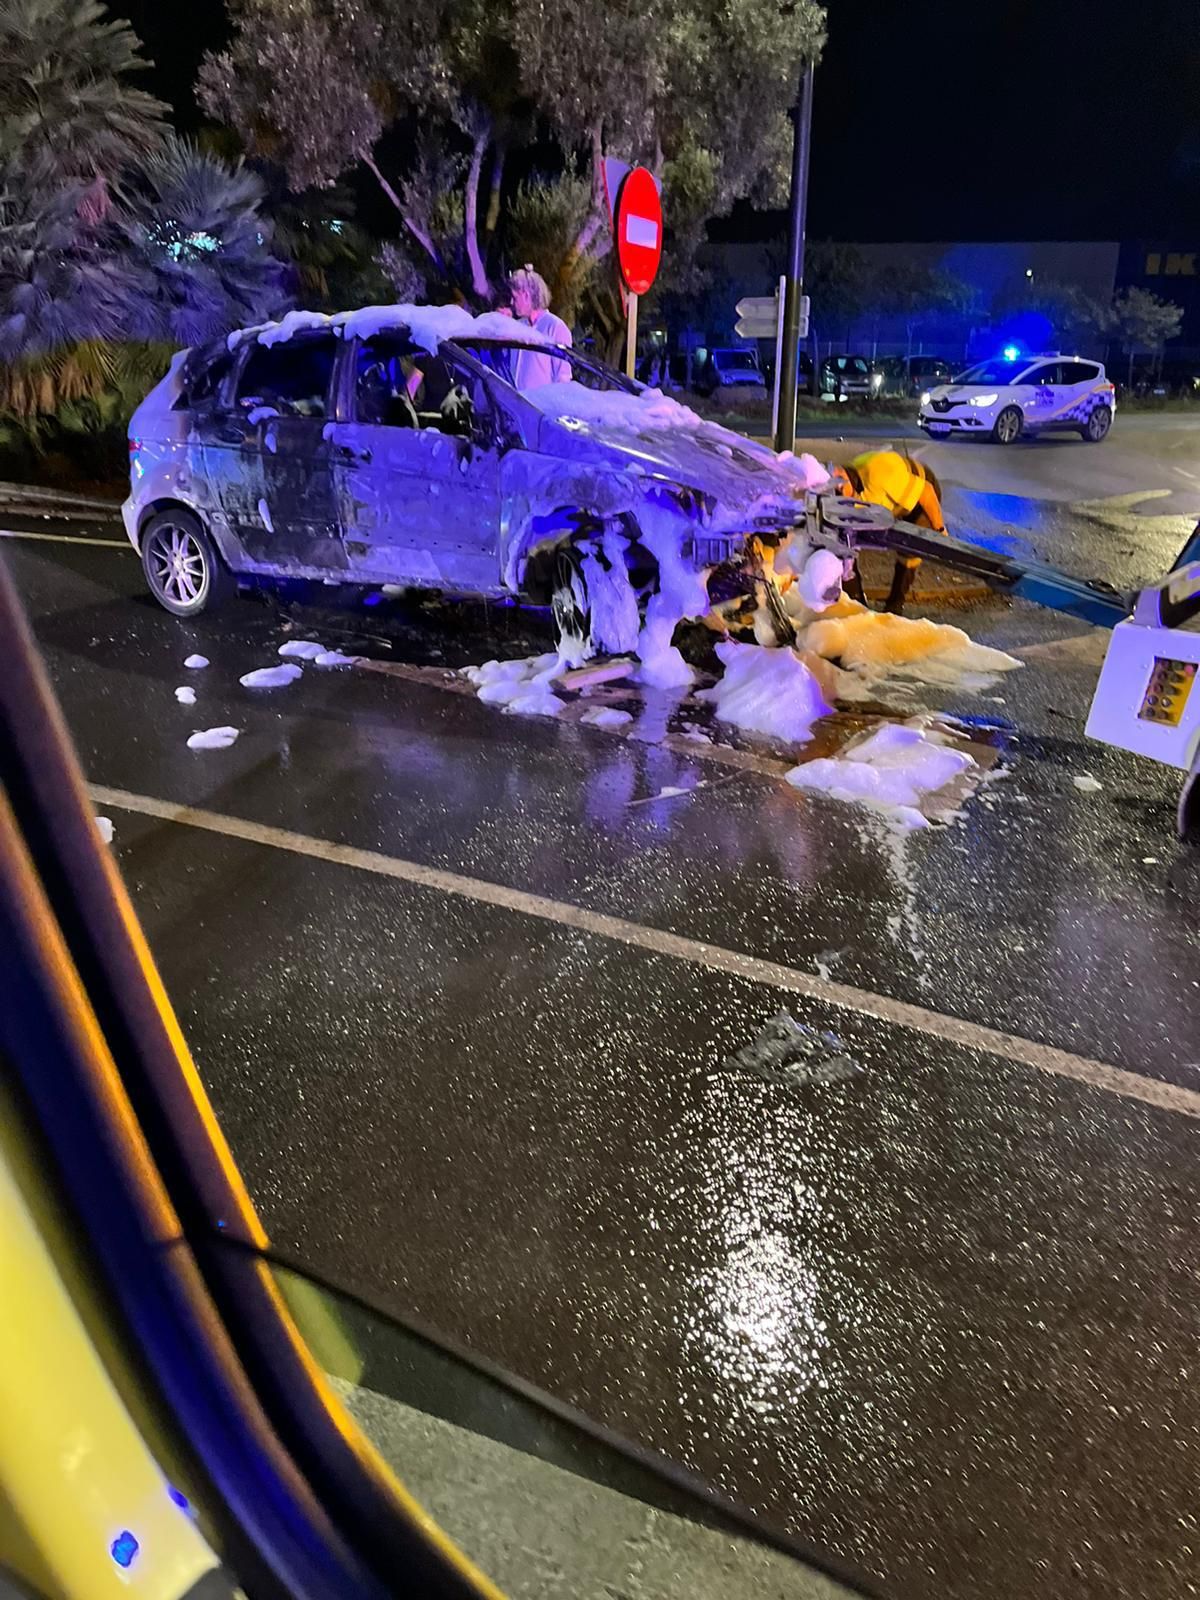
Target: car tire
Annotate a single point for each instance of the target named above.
(1007, 427)
(182, 567)
(569, 606)
(1188, 815)
(1095, 429)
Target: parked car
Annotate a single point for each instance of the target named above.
(913, 375)
(726, 369)
(1004, 398)
(846, 377)
(406, 445)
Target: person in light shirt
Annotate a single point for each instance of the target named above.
(530, 296)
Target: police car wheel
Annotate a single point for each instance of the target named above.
(1097, 425)
(1007, 427)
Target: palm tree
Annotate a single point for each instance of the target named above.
(197, 231)
(66, 102)
(61, 282)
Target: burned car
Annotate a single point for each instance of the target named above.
(424, 447)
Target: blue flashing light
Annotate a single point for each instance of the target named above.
(178, 1498)
(123, 1548)
(1011, 352)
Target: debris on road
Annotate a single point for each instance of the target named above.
(874, 645)
(303, 649)
(196, 662)
(767, 691)
(521, 686)
(186, 695)
(606, 717)
(787, 1051)
(335, 658)
(104, 827)
(893, 770)
(212, 738)
(1087, 783)
(271, 677)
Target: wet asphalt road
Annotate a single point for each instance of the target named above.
(938, 1316)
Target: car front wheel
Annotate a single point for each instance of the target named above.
(1097, 425)
(1007, 427)
(183, 570)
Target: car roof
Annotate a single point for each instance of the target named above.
(428, 326)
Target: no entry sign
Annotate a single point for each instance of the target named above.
(638, 222)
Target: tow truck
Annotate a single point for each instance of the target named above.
(1146, 699)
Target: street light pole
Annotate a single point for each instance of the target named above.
(785, 433)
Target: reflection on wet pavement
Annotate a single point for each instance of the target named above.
(937, 1313)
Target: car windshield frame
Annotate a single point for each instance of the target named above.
(999, 373)
(476, 351)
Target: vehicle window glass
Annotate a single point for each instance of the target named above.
(586, 370)
(998, 371)
(1079, 372)
(294, 377)
(203, 384)
(519, 1487)
(399, 384)
(740, 360)
(1048, 372)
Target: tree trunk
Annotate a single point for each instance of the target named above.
(418, 233)
(1130, 383)
(492, 220)
(479, 277)
(592, 223)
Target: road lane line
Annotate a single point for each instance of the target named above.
(67, 538)
(934, 1024)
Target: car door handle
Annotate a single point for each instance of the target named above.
(351, 452)
(232, 435)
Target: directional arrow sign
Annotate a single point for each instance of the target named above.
(757, 316)
(762, 305)
(755, 327)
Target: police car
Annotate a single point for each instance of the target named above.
(1012, 395)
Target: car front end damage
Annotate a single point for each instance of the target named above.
(632, 494)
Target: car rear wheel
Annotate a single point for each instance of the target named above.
(1007, 427)
(1097, 425)
(183, 570)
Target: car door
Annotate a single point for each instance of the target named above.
(1043, 393)
(270, 460)
(1079, 382)
(417, 469)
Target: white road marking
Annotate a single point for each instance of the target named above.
(67, 538)
(1184, 473)
(658, 941)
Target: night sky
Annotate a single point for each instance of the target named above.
(947, 119)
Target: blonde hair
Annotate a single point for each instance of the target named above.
(534, 285)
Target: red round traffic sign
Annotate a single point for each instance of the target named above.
(639, 225)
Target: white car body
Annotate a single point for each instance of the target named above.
(1047, 391)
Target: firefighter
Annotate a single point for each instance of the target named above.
(906, 488)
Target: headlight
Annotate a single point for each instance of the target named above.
(983, 399)
(926, 397)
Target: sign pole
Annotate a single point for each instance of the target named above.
(785, 432)
(631, 338)
(779, 294)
